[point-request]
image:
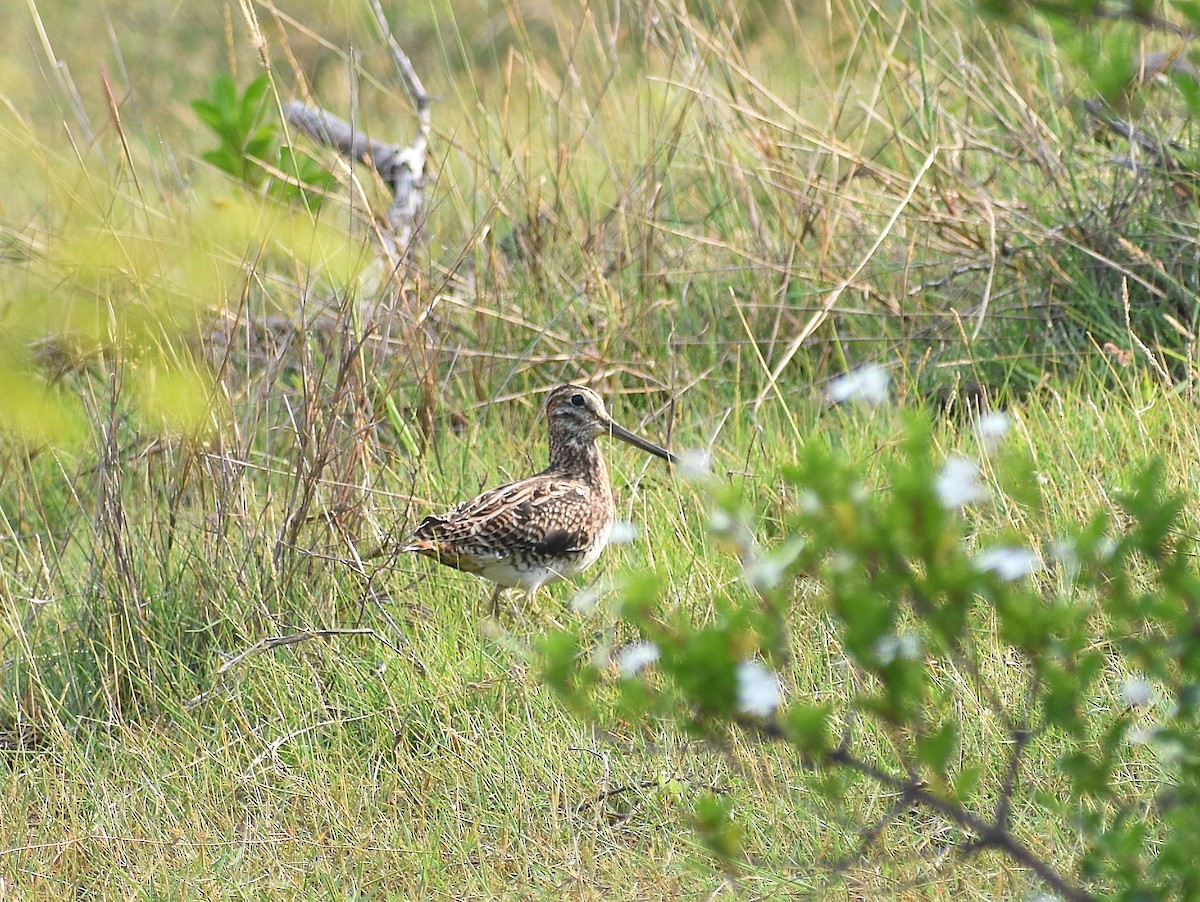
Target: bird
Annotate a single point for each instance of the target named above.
(546, 527)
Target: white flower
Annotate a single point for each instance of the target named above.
(635, 656)
(1136, 692)
(1008, 562)
(721, 522)
(585, 600)
(623, 532)
(1065, 551)
(727, 527)
(891, 647)
(957, 485)
(991, 428)
(843, 562)
(695, 464)
(601, 657)
(809, 502)
(868, 384)
(766, 572)
(1142, 735)
(757, 689)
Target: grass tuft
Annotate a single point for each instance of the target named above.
(220, 413)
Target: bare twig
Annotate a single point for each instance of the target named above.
(332, 131)
(281, 741)
(1020, 739)
(1161, 153)
(401, 168)
(986, 834)
(408, 75)
(914, 792)
(276, 642)
(607, 794)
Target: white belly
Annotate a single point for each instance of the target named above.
(532, 575)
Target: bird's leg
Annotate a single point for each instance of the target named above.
(531, 598)
(495, 606)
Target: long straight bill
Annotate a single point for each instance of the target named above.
(638, 442)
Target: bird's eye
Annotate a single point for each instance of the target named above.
(577, 400)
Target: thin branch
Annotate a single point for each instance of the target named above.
(914, 792)
(613, 793)
(408, 76)
(276, 642)
(1161, 153)
(389, 160)
(281, 741)
(401, 168)
(1020, 739)
(870, 835)
(987, 834)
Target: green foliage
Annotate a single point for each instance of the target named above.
(306, 180)
(1126, 195)
(248, 140)
(719, 830)
(1114, 53)
(922, 602)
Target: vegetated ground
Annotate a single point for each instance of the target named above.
(705, 211)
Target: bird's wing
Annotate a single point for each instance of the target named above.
(537, 515)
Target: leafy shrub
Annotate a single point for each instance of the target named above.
(914, 594)
(1120, 202)
(248, 140)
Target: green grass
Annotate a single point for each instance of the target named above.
(894, 182)
(443, 767)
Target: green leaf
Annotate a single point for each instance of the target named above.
(208, 113)
(1089, 777)
(252, 100)
(808, 728)
(1190, 9)
(1188, 87)
(223, 159)
(1002, 10)
(639, 596)
(966, 782)
(259, 148)
(238, 126)
(561, 655)
(704, 668)
(934, 749)
(712, 817)
(225, 96)
(1060, 697)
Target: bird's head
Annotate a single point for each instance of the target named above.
(578, 412)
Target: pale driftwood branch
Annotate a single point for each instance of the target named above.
(326, 128)
(412, 83)
(401, 168)
(407, 198)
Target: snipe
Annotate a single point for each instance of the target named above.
(546, 527)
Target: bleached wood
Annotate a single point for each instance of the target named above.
(402, 168)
